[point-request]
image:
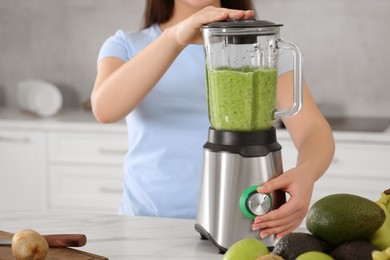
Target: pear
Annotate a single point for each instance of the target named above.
(246, 249)
(28, 244)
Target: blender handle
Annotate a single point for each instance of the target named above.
(298, 88)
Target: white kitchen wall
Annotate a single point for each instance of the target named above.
(345, 44)
(58, 41)
(346, 51)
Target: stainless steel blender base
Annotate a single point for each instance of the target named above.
(225, 177)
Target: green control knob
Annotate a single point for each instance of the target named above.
(253, 204)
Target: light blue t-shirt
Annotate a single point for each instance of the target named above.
(166, 132)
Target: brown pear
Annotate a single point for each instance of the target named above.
(28, 244)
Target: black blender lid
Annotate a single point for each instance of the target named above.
(241, 23)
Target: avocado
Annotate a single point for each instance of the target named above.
(357, 250)
(340, 218)
(294, 244)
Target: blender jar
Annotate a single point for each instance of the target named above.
(241, 73)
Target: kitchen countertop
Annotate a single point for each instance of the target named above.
(66, 119)
(84, 119)
(118, 237)
(362, 124)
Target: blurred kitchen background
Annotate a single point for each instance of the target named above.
(345, 44)
(65, 159)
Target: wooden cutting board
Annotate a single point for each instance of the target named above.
(55, 253)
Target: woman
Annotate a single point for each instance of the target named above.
(155, 78)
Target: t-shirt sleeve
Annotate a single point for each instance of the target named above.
(115, 46)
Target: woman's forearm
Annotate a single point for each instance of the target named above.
(121, 86)
(310, 132)
(316, 151)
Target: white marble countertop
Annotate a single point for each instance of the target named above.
(118, 237)
(66, 119)
(83, 119)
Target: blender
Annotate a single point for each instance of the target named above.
(242, 151)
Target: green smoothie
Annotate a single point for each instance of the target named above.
(241, 99)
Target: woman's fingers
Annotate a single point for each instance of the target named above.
(188, 31)
(239, 14)
(279, 183)
(279, 227)
(211, 14)
(283, 220)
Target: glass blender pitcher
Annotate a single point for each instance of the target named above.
(242, 63)
(242, 152)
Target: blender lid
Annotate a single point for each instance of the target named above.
(241, 23)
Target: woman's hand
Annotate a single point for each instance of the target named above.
(289, 216)
(188, 31)
(310, 139)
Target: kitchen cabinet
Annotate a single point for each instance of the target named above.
(23, 170)
(85, 187)
(361, 164)
(72, 162)
(66, 162)
(86, 170)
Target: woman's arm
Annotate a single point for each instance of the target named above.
(312, 136)
(120, 86)
(309, 130)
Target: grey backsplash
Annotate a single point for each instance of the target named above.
(345, 45)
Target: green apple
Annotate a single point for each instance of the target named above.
(314, 255)
(246, 249)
